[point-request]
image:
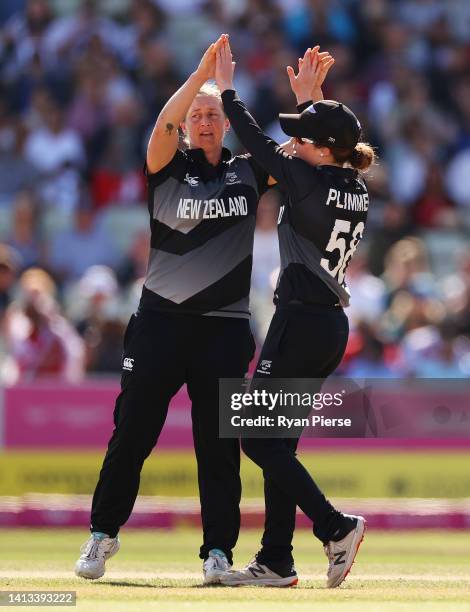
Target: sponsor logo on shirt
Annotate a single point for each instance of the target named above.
(193, 181)
(265, 367)
(232, 178)
(128, 364)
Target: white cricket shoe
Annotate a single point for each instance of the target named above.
(341, 554)
(214, 566)
(257, 574)
(98, 549)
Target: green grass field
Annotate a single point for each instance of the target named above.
(158, 570)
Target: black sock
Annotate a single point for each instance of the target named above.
(282, 568)
(346, 526)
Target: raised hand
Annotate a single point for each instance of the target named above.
(224, 66)
(312, 71)
(206, 68)
(324, 65)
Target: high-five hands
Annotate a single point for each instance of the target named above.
(206, 68)
(312, 71)
(224, 66)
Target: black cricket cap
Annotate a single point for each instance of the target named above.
(328, 123)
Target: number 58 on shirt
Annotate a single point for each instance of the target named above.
(346, 245)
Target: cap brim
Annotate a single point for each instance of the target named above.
(291, 124)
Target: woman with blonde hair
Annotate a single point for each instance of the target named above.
(192, 325)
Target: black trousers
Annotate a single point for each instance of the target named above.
(302, 342)
(162, 352)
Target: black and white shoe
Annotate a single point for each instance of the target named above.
(341, 554)
(258, 574)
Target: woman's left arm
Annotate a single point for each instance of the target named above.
(288, 171)
(269, 155)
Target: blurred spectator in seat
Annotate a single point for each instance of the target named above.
(147, 22)
(457, 187)
(72, 251)
(319, 21)
(24, 236)
(52, 145)
(370, 360)
(456, 291)
(392, 227)
(57, 154)
(15, 172)
(411, 310)
(367, 291)
(94, 306)
(70, 35)
(23, 38)
(156, 76)
(409, 158)
(88, 297)
(41, 340)
(461, 99)
(434, 208)
(407, 268)
(10, 262)
(118, 176)
(104, 345)
(88, 115)
(433, 352)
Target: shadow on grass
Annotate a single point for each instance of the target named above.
(121, 583)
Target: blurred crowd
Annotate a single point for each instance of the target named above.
(81, 84)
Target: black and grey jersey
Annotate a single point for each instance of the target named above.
(202, 220)
(321, 222)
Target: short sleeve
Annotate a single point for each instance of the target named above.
(156, 178)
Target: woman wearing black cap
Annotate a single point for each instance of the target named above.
(319, 230)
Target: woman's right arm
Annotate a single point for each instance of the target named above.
(163, 141)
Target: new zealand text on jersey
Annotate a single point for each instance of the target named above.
(189, 208)
(348, 201)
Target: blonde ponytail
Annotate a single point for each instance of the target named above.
(362, 156)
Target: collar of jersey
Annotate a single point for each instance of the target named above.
(198, 155)
(337, 169)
